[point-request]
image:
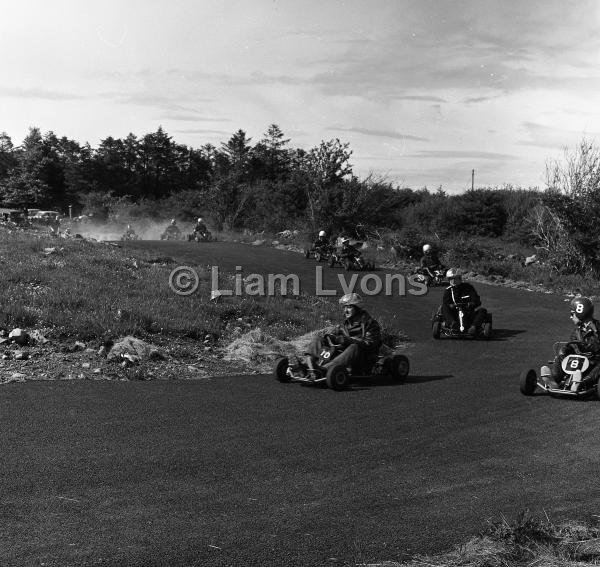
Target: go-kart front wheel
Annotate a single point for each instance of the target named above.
(436, 329)
(487, 330)
(280, 371)
(338, 377)
(528, 382)
(399, 367)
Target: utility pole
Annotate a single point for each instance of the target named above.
(472, 179)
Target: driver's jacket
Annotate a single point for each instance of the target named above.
(321, 242)
(349, 250)
(430, 261)
(172, 228)
(461, 293)
(363, 330)
(200, 228)
(588, 334)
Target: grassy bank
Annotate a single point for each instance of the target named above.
(525, 541)
(74, 288)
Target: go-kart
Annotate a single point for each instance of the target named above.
(422, 275)
(319, 252)
(198, 236)
(439, 328)
(171, 234)
(352, 260)
(130, 236)
(337, 376)
(578, 377)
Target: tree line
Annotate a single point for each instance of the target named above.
(269, 185)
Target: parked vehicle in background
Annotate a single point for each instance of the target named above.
(15, 216)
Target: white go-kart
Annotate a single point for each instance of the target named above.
(580, 374)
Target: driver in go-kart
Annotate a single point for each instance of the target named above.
(359, 335)
(459, 292)
(322, 241)
(200, 228)
(348, 249)
(586, 333)
(129, 232)
(173, 229)
(430, 261)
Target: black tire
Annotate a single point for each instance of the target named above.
(338, 377)
(399, 367)
(307, 254)
(347, 264)
(280, 371)
(487, 330)
(318, 256)
(331, 261)
(436, 329)
(528, 382)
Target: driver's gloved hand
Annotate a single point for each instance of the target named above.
(344, 341)
(565, 350)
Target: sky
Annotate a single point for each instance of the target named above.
(423, 91)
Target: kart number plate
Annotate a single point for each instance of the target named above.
(325, 354)
(575, 363)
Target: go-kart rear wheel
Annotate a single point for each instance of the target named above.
(280, 371)
(436, 329)
(399, 367)
(528, 382)
(487, 330)
(338, 377)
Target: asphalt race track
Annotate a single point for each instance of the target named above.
(383, 472)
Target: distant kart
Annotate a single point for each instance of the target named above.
(339, 377)
(201, 237)
(171, 234)
(440, 329)
(579, 377)
(438, 278)
(350, 261)
(319, 253)
(130, 236)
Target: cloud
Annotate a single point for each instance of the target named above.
(194, 118)
(380, 133)
(542, 136)
(204, 131)
(420, 97)
(476, 99)
(37, 93)
(462, 154)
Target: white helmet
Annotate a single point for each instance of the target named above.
(427, 248)
(454, 273)
(322, 233)
(351, 299)
(199, 219)
(172, 221)
(345, 240)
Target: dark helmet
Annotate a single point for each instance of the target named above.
(582, 308)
